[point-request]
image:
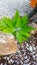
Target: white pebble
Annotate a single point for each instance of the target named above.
(34, 48)
(30, 48)
(11, 60)
(25, 57)
(1, 63)
(7, 58)
(27, 45)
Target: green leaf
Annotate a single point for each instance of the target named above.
(27, 28)
(16, 16)
(25, 19)
(23, 32)
(9, 30)
(2, 23)
(2, 27)
(7, 21)
(25, 38)
(19, 37)
(18, 23)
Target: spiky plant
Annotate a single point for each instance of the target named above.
(18, 26)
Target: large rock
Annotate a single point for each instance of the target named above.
(8, 7)
(8, 44)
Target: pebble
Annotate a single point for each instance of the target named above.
(1, 63)
(30, 48)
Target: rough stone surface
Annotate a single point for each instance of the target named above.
(8, 7)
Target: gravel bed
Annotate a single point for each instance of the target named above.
(26, 55)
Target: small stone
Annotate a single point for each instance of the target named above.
(1, 64)
(25, 57)
(27, 45)
(10, 61)
(34, 57)
(30, 48)
(34, 48)
(7, 58)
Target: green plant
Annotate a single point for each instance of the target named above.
(18, 26)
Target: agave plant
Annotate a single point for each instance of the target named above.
(18, 26)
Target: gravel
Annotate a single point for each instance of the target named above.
(26, 55)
